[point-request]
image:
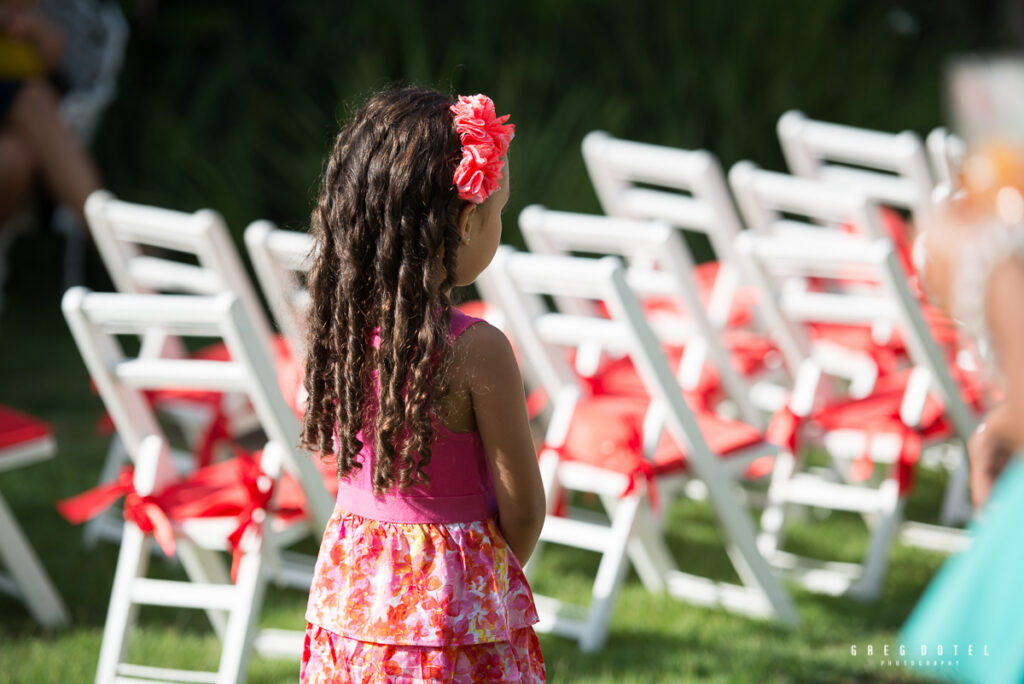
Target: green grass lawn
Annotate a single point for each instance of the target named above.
(653, 638)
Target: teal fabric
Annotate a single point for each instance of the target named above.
(977, 597)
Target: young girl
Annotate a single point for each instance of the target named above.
(419, 575)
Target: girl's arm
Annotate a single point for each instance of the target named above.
(1002, 433)
(499, 406)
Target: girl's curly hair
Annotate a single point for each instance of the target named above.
(385, 228)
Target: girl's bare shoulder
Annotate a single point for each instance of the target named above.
(481, 361)
(482, 351)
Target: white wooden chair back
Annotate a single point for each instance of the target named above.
(765, 257)
(96, 319)
(658, 264)
(773, 203)
(281, 259)
(810, 211)
(122, 230)
(890, 168)
(684, 188)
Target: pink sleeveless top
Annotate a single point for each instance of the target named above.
(425, 566)
(460, 487)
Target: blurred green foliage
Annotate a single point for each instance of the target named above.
(233, 104)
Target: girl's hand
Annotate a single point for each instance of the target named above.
(989, 450)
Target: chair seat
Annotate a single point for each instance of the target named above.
(879, 414)
(751, 353)
(880, 411)
(605, 432)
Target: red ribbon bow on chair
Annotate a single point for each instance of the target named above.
(90, 503)
(144, 511)
(260, 488)
(643, 470)
(784, 429)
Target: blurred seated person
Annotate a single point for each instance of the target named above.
(35, 141)
(975, 270)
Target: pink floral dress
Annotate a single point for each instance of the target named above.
(420, 586)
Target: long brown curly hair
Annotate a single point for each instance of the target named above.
(386, 234)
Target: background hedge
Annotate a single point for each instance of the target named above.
(233, 104)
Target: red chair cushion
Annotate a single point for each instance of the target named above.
(606, 432)
(17, 428)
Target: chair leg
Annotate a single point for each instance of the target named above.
(610, 574)
(241, 624)
(647, 550)
(773, 516)
(869, 586)
(29, 575)
(65, 222)
(742, 547)
(132, 563)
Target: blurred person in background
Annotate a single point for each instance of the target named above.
(975, 271)
(966, 626)
(35, 141)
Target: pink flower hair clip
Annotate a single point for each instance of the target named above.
(485, 140)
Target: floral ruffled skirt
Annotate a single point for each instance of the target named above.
(331, 659)
(404, 602)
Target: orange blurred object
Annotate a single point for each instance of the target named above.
(993, 178)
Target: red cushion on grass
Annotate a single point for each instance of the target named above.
(605, 432)
(750, 353)
(20, 428)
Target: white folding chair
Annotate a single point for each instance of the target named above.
(890, 168)
(684, 188)
(633, 450)
(660, 266)
(148, 249)
(848, 341)
(25, 440)
(198, 257)
(919, 406)
(233, 607)
(813, 210)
